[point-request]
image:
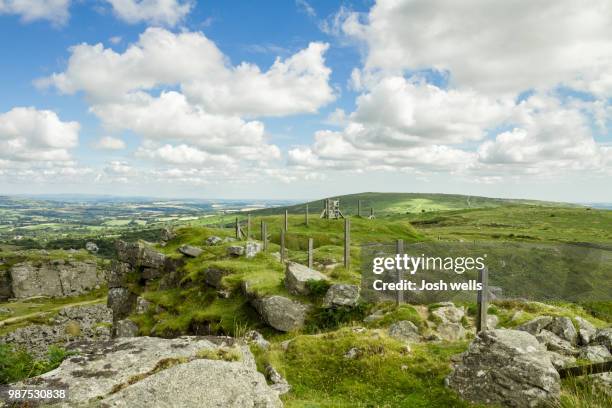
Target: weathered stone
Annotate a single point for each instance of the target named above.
(297, 276)
(281, 313)
(6, 290)
(404, 330)
(492, 321)
(377, 315)
(450, 331)
(213, 240)
(602, 383)
(138, 254)
(564, 328)
(121, 301)
(536, 325)
(586, 330)
(508, 368)
(255, 337)
(560, 361)
(214, 277)
(279, 384)
(191, 251)
(125, 328)
(555, 343)
(118, 274)
(341, 294)
(252, 248)
(167, 234)
(235, 250)
(495, 292)
(603, 337)
(143, 372)
(352, 353)
(91, 247)
(90, 320)
(55, 278)
(597, 353)
(143, 305)
(448, 314)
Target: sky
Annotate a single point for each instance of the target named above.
(305, 99)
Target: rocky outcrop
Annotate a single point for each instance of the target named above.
(213, 240)
(252, 248)
(214, 277)
(153, 372)
(506, 367)
(449, 313)
(125, 328)
(603, 337)
(5, 284)
(586, 330)
(235, 250)
(121, 301)
(405, 330)
(281, 313)
(54, 278)
(596, 353)
(341, 294)
(297, 277)
(71, 324)
(190, 251)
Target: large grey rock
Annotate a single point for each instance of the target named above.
(553, 342)
(405, 330)
(121, 301)
(138, 254)
(6, 290)
(167, 234)
(341, 294)
(281, 313)
(88, 322)
(213, 240)
(602, 383)
(214, 277)
(190, 251)
(560, 360)
(492, 321)
(91, 247)
(118, 274)
(235, 250)
(252, 248)
(450, 331)
(597, 353)
(536, 325)
(143, 305)
(255, 337)
(508, 368)
(279, 384)
(564, 328)
(125, 328)
(449, 314)
(297, 276)
(153, 372)
(603, 337)
(55, 278)
(586, 330)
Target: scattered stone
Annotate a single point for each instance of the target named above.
(449, 314)
(145, 372)
(404, 330)
(297, 276)
(560, 361)
(143, 305)
(341, 294)
(190, 251)
(603, 337)
(137, 254)
(281, 313)
(279, 384)
(555, 343)
(214, 277)
(508, 368)
(6, 311)
(536, 325)
(125, 328)
(495, 293)
(91, 247)
(252, 248)
(167, 234)
(377, 315)
(285, 344)
(253, 336)
(451, 331)
(352, 353)
(235, 250)
(213, 240)
(492, 322)
(229, 239)
(596, 354)
(564, 328)
(586, 330)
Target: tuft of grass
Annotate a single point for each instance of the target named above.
(18, 364)
(221, 353)
(582, 392)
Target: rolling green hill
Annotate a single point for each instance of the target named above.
(401, 203)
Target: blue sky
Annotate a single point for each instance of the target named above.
(363, 96)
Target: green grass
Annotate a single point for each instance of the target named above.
(18, 364)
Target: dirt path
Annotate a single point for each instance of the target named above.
(18, 319)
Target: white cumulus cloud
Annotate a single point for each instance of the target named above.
(55, 11)
(158, 12)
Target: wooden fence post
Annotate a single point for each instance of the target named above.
(261, 230)
(359, 208)
(248, 227)
(310, 252)
(282, 249)
(481, 317)
(399, 249)
(265, 236)
(237, 229)
(286, 220)
(306, 219)
(347, 243)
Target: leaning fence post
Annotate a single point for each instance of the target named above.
(481, 317)
(282, 242)
(261, 230)
(399, 249)
(306, 219)
(237, 229)
(286, 220)
(347, 243)
(265, 236)
(310, 252)
(359, 208)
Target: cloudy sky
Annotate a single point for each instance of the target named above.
(305, 99)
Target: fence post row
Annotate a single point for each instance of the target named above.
(399, 249)
(481, 317)
(347, 243)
